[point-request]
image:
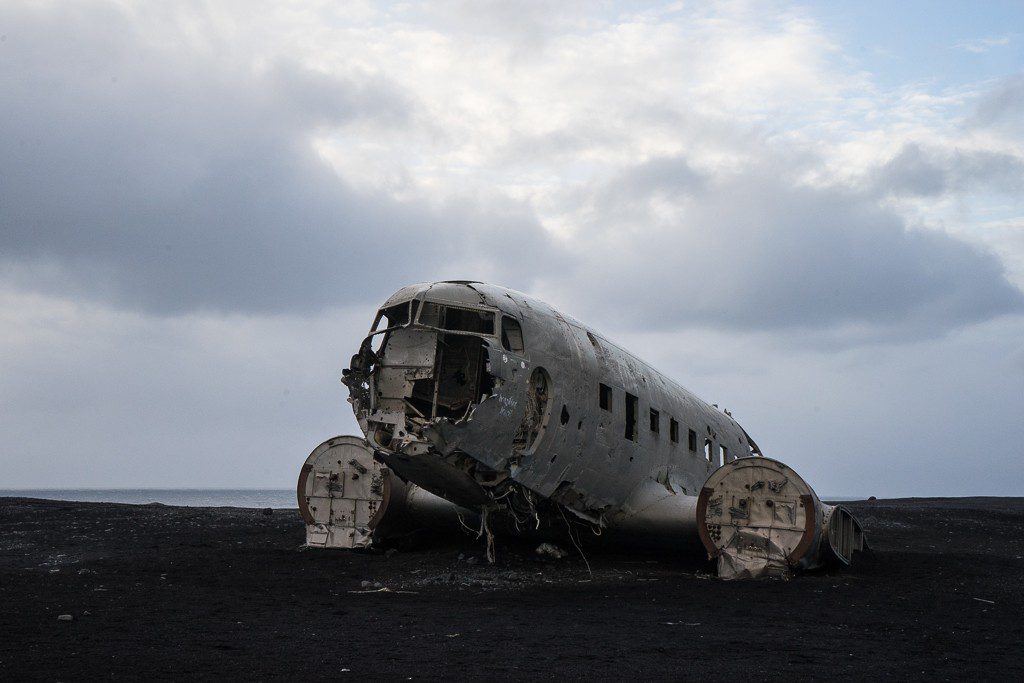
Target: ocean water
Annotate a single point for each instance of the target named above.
(243, 498)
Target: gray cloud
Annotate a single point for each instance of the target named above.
(668, 178)
(921, 171)
(1003, 106)
(165, 180)
(755, 251)
(171, 179)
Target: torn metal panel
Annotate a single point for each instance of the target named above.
(760, 518)
(349, 500)
(340, 489)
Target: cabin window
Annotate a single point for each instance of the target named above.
(606, 397)
(723, 455)
(708, 453)
(693, 440)
(655, 421)
(511, 335)
(632, 405)
(673, 430)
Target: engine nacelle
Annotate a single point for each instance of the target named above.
(760, 518)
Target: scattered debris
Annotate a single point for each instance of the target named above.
(550, 550)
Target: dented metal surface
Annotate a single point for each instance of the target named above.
(496, 402)
(760, 518)
(350, 500)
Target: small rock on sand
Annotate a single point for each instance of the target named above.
(550, 550)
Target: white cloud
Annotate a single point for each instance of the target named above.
(981, 45)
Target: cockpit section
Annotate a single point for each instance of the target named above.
(442, 380)
(432, 359)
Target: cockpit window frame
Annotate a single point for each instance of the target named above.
(410, 319)
(495, 318)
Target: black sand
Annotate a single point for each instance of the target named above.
(175, 593)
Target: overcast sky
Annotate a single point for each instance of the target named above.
(811, 214)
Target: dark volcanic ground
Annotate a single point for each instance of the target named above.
(165, 592)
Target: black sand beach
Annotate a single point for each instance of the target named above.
(159, 592)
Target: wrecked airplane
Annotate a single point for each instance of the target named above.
(485, 408)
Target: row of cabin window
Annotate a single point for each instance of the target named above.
(632, 407)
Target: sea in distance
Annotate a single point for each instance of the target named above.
(241, 498)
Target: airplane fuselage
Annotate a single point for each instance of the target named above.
(482, 394)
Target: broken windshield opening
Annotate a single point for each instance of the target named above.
(459, 378)
(393, 316)
(457, 319)
(390, 318)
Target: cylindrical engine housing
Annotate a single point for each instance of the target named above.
(760, 518)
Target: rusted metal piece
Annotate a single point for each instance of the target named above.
(703, 531)
(300, 493)
(809, 502)
(770, 522)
